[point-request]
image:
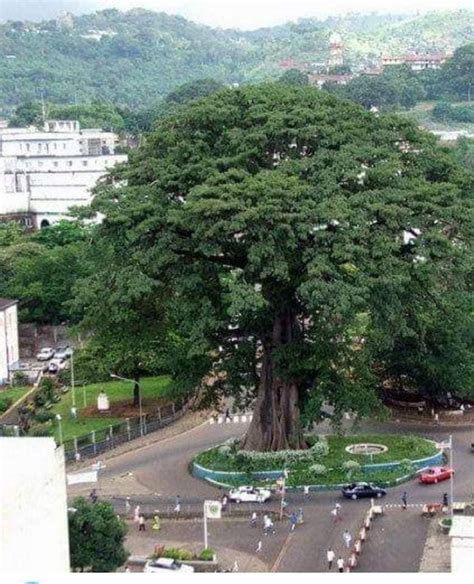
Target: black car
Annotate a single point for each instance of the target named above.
(360, 490)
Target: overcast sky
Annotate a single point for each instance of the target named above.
(244, 14)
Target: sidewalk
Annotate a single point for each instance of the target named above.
(437, 553)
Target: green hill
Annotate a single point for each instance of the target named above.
(134, 58)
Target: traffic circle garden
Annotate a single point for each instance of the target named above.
(328, 462)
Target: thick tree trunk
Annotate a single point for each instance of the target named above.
(276, 417)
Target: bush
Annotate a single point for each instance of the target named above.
(5, 403)
(407, 467)
(207, 555)
(352, 467)
(47, 386)
(20, 378)
(320, 449)
(177, 554)
(43, 416)
(40, 430)
(40, 399)
(318, 469)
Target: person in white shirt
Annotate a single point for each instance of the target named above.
(347, 537)
(330, 556)
(340, 564)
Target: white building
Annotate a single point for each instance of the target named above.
(45, 172)
(33, 508)
(462, 545)
(9, 352)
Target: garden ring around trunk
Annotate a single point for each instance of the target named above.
(367, 449)
(325, 465)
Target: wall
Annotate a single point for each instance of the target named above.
(33, 510)
(9, 351)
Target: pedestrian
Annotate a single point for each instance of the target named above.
(259, 546)
(404, 500)
(141, 523)
(336, 513)
(347, 537)
(127, 505)
(253, 519)
(357, 546)
(300, 515)
(227, 415)
(177, 506)
(330, 557)
(93, 496)
(127, 569)
(136, 514)
(436, 418)
(340, 564)
(224, 502)
(268, 525)
(353, 561)
(306, 491)
(445, 502)
(293, 521)
(235, 567)
(77, 456)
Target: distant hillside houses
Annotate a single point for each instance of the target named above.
(417, 62)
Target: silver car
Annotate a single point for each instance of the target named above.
(166, 565)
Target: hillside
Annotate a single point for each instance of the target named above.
(136, 57)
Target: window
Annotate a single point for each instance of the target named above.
(39, 146)
(55, 163)
(40, 163)
(84, 163)
(27, 147)
(55, 146)
(69, 162)
(64, 145)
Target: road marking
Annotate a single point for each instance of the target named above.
(283, 551)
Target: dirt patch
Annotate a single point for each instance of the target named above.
(126, 409)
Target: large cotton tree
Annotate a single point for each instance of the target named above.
(270, 220)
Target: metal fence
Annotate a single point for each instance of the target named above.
(99, 441)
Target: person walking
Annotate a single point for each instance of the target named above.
(235, 567)
(227, 415)
(156, 522)
(293, 521)
(336, 513)
(253, 519)
(306, 491)
(177, 507)
(136, 514)
(330, 555)
(268, 525)
(347, 537)
(340, 564)
(127, 505)
(259, 546)
(141, 523)
(445, 503)
(300, 515)
(404, 500)
(93, 496)
(224, 501)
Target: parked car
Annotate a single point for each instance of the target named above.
(249, 495)
(63, 352)
(166, 565)
(360, 490)
(435, 474)
(56, 365)
(45, 354)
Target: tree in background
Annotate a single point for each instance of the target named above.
(96, 537)
(294, 77)
(265, 220)
(455, 79)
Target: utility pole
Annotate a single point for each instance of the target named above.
(451, 462)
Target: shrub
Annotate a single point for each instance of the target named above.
(406, 466)
(318, 469)
(40, 430)
(5, 403)
(320, 448)
(47, 387)
(40, 399)
(43, 416)
(225, 450)
(352, 467)
(20, 378)
(207, 555)
(177, 554)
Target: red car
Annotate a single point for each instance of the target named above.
(435, 474)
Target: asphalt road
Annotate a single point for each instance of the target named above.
(163, 469)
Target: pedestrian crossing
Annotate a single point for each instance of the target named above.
(232, 419)
(399, 505)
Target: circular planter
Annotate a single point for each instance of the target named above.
(445, 524)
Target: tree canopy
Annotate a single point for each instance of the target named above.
(266, 220)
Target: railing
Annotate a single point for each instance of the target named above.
(99, 441)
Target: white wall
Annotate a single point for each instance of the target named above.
(9, 351)
(33, 508)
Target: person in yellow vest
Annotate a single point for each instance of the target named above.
(156, 522)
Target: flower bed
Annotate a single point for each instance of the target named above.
(325, 462)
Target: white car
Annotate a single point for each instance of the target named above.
(63, 352)
(56, 365)
(166, 565)
(249, 495)
(45, 354)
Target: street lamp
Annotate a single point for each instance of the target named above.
(139, 397)
(72, 380)
(58, 418)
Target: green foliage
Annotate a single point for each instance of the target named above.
(294, 77)
(207, 555)
(40, 431)
(20, 378)
(446, 112)
(96, 537)
(455, 79)
(5, 403)
(145, 55)
(176, 554)
(318, 469)
(11, 233)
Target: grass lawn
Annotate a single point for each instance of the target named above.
(152, 387)
(421, 115)
(14, 393)
(399, 448)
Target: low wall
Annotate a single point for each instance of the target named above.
(221, 477)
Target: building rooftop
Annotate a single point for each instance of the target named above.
(6, 303)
